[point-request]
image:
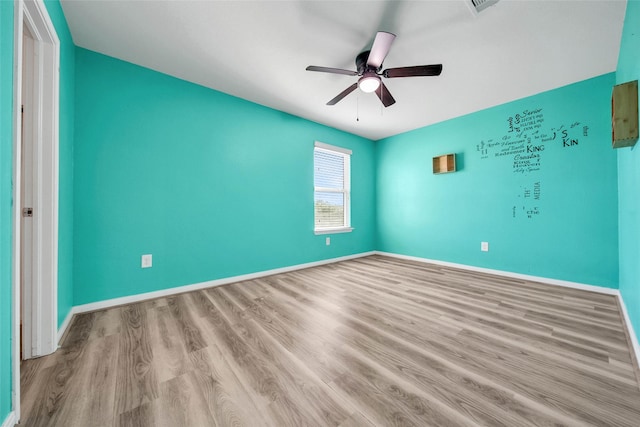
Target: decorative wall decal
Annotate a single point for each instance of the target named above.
(528, 140)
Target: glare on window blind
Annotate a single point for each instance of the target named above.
(329, 170)
(329, 195)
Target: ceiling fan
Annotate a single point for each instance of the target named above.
(369, 64)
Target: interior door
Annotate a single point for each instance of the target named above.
(27, 195)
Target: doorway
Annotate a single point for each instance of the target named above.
(35, 187)
(27, 189)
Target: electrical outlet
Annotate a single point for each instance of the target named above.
(327, 241)
(147, 261)
(484, 246)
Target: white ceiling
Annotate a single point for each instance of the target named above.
(258, 50)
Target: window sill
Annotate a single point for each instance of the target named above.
(333, 230)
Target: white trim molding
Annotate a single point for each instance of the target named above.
(329, 147)
(17, 202)
(632, 335)
(101, 305)
(337, 230)
(10, 421)
(65, 325)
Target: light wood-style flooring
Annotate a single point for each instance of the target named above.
(374, 341)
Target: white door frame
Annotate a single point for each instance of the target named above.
(43, 319)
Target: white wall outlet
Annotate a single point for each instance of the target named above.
(484, 246)
(327, 241)
(147, 261)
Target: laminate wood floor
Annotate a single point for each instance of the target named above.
(374, 341)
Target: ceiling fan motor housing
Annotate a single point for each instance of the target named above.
(361, 63)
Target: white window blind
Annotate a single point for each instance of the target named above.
(331, 188)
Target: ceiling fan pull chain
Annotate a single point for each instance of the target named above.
(357, 109)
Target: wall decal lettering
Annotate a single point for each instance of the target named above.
(527, 141)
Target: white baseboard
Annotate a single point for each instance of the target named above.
(632, 335)
(10, 421)
(101, 305)
(545, 280)
(67, 321)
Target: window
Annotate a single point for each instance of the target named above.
(332, 185)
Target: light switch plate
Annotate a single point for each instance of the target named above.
(484, 246)
(147, 261)
(327, 241)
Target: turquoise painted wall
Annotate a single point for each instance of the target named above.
(213, 186)
(65, 203)
(508, 155)
(629, 175)
(6, 162)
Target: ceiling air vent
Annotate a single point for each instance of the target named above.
(478, 6)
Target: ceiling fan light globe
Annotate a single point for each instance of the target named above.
(369, 84)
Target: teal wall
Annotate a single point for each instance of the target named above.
(6, 161)
(574, 234)
(629, 175)
(65, 202)
(213, 186)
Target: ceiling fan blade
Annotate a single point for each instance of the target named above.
(380, 49)
(384, 95)
(416, 71)
(342, 94)
(331, 70)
